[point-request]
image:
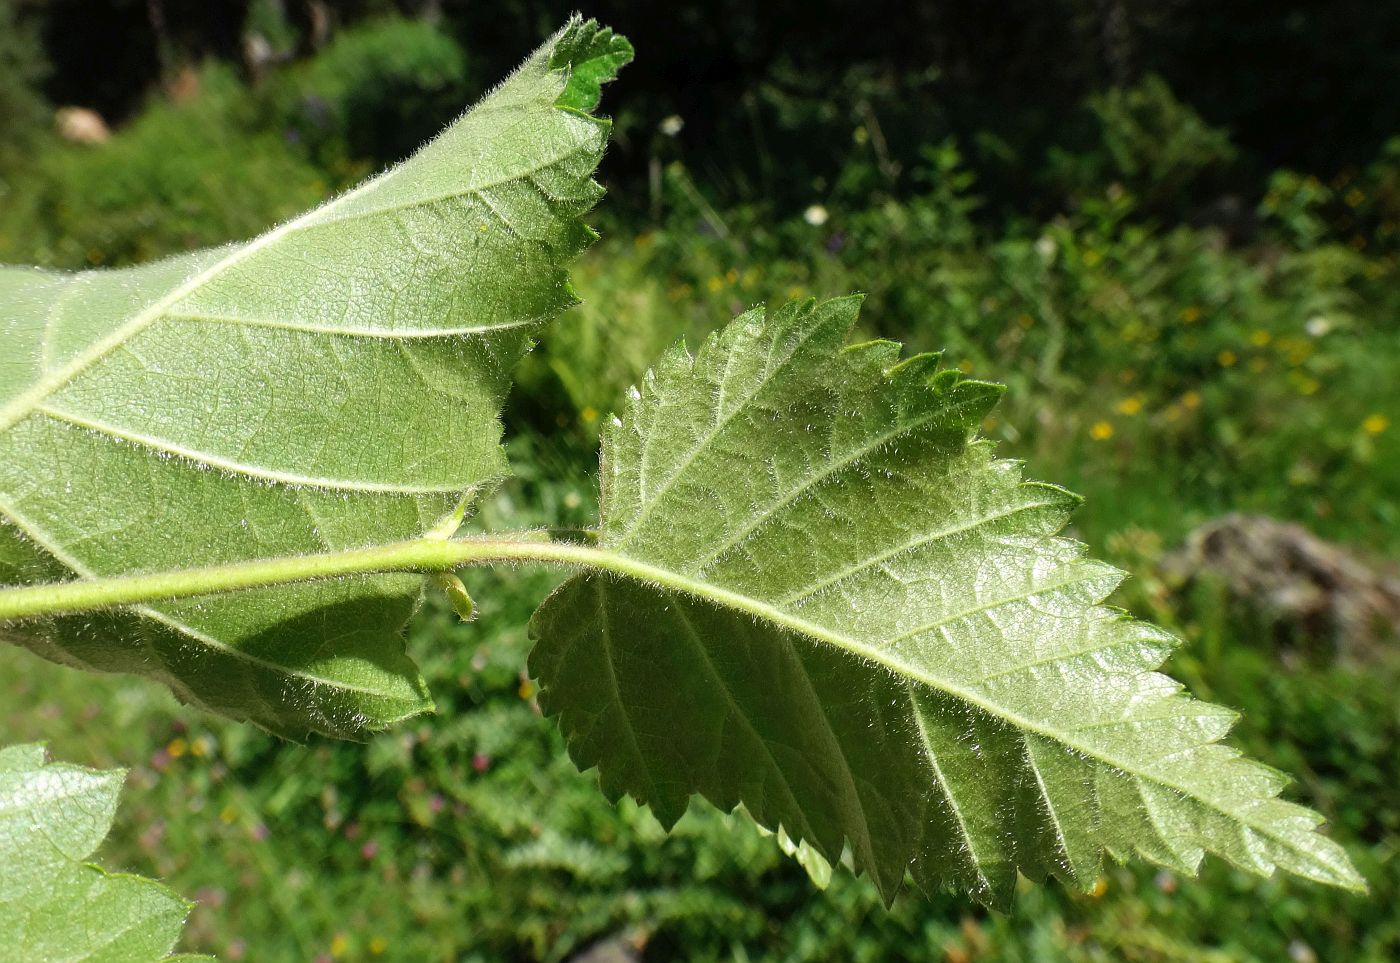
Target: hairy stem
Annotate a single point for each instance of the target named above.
(426, 555)
(423, 555)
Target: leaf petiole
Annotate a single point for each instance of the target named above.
(427, 555)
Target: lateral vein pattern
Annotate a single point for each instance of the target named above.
(333, 384)
(871, 635)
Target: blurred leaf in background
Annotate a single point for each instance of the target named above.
(22, 71)
(375, 93)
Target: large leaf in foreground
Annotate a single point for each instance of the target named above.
(53, 905)
(334, 383)
(850, 618)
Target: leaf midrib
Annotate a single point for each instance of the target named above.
(759, 609)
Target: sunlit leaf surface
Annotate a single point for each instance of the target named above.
(873, 637)
(334, 383)
(54, 905)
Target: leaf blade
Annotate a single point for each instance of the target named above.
(53, 904)
(895, 613)
(215, 408)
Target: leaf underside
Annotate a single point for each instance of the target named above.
(878, 640)
(53, 905)
(332, 384)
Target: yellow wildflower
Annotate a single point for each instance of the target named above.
(228, 815)
(378, 945)
(1190, 314)
(1191, 400)
(526, 690)
(1130, 405)
(1375, 424)
(1260, 338)
(1092, 257)
(715, 284)
(339, 944)
(589, 414)
(1226, 358)
(1102, 431)
(1297, 350)
(177, 748)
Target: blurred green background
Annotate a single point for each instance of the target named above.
(1173, 229)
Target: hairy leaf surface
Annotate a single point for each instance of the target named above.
(53, 905)
(334, 383)
(848, 617)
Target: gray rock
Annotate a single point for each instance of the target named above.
(1317, 596)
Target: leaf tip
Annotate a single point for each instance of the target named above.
(592, 55)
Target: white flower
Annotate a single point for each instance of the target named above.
(1317, 326)
(816, 215)
(1300, 952)
(671, 126)
(1045, 247)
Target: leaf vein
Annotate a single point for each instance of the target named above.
(157, 444)
(767, 513)
(915, 543)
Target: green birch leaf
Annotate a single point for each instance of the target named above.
(54, 905)
(840, 611)
(332, 384)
